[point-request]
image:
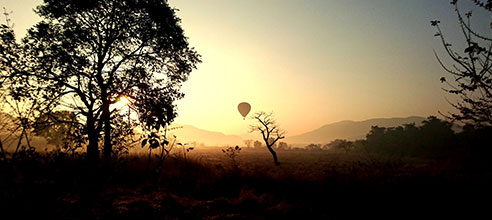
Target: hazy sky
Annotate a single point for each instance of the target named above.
(310, 62)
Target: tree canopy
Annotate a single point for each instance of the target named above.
(84, 54)
(471, 69)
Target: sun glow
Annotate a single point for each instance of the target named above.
(123, 100)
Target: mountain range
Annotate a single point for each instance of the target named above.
(349, 130)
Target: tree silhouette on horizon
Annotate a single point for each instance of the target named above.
(269, 130)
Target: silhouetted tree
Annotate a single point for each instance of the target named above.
(433, 136)
(269, 130)
(83, 55)
(475, 143)
(248, 143)
(471, 69)
(313, 147)
(345, 145)
(22, 118)
(436, 134)
(282, 146)
(6, 126)
(22, 102)
(257, 145)
(55, 127)
(333, 144)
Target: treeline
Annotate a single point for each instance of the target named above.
(434, 138)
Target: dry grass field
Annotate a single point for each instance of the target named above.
(205, 184)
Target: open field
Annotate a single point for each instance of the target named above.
(206, 185)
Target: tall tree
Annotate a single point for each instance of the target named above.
(84, 54)
(22, 103)
(471, 70)
(270, 131)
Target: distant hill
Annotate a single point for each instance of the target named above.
(188, 133)
(349, 130)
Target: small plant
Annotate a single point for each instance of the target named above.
(233, 153)
(186, 148)
(156, 140)
(26, 152)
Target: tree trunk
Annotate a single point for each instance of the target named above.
(92, 147)
(274, 154)
(19, 142)
(4, 156)
(108, 148)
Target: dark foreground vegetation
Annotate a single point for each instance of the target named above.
(207, 184)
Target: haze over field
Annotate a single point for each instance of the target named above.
(350, 130)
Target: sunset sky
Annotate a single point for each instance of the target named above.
(310, 62)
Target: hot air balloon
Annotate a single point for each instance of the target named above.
(244, 109)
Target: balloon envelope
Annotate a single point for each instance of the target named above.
(244, 108)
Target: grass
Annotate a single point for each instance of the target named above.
(205, 185)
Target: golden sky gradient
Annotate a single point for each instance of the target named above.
(310, 62)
